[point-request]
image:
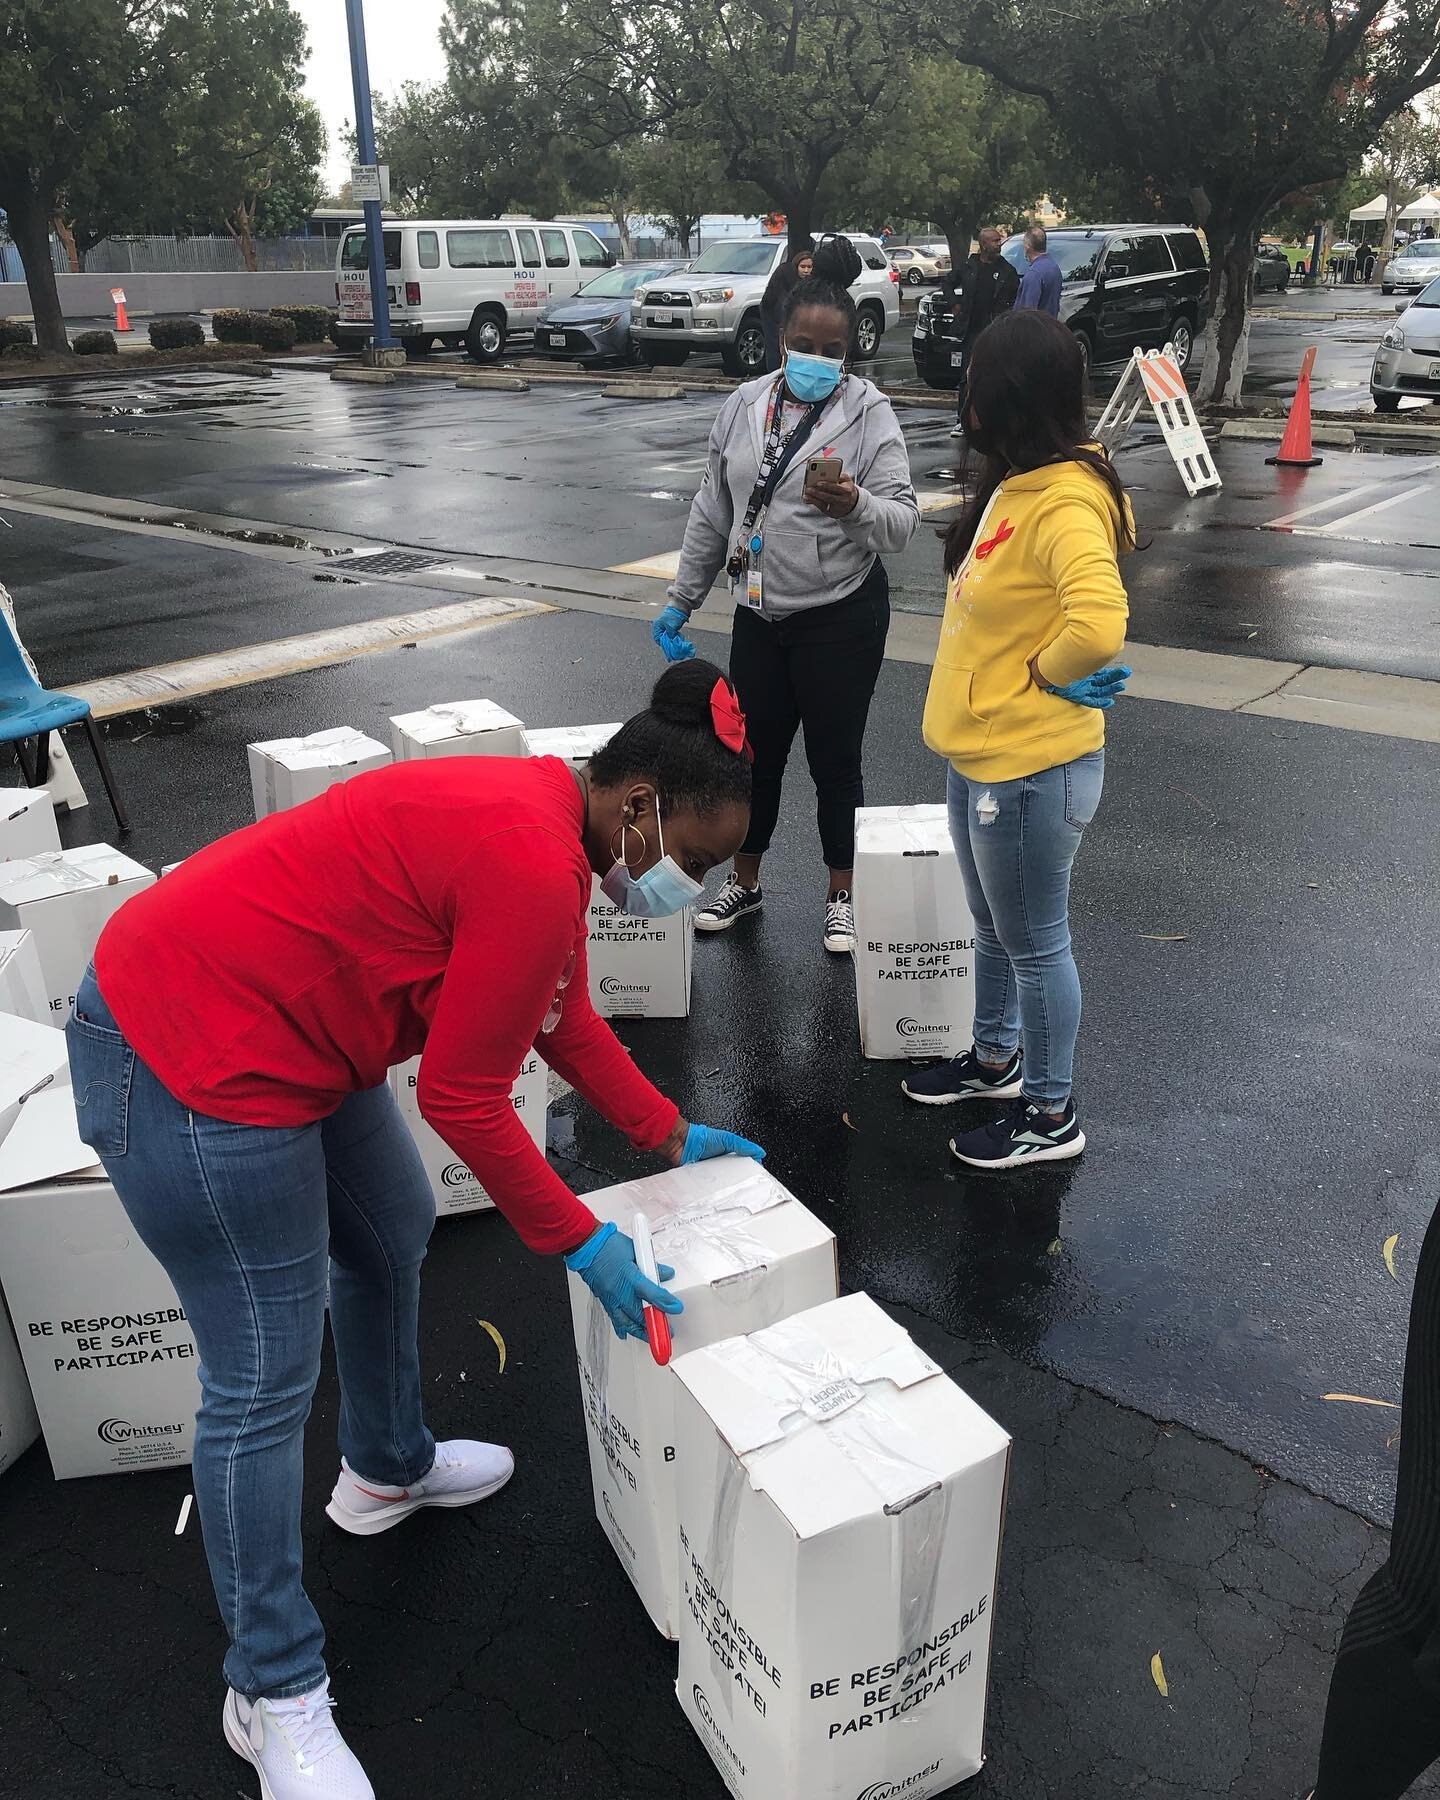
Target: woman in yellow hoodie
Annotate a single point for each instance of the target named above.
(1035, 608)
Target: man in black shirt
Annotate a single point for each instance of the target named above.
(984, 287)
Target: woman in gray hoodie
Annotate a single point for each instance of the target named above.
(812, 597)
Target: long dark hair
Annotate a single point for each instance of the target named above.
(673, 744)
(1026, 389)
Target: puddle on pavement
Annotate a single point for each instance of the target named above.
(320, 468)
(244, 534)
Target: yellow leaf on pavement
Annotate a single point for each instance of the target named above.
(1389, 1254)
(499, 1341)
(1363, 1400)
(1157, 1672)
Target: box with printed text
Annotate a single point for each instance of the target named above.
(65, 899)
(840, 1503)
(19, 1422)
(639, 968)
(745, 1253)
(456, 1189)
(914, 937)
(285, 772)
(458, 728)
(109, 1353)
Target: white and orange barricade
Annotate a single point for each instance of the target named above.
(1162, 384)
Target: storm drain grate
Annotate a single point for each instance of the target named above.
(388, 562)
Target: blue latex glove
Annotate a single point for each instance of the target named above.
(606, 1264)
(666, 632)
(1097, 690)
(705, 1141)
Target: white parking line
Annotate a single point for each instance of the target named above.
(1367, 487)
(1334, 527)
(664, 567)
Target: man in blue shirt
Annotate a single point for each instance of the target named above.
(1040, 284)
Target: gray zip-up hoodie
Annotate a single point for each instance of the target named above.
(809, 560)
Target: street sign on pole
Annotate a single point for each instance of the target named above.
(370, 181)
(380, 336)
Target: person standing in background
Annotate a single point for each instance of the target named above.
(1040, 284)
(983, 288)
(1382, 1720)
(795, 267)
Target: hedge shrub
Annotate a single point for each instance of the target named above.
(237, 325)
(13, 332)
(176, 334)
(312, 323)
(22, 353)
(95, 343)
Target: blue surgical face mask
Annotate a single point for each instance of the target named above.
(812, 378)
(657, 893)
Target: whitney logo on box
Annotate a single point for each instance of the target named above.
(455, 1175)
(899, 1790)
(609, 985)
(712, 1724)
(121, 1431)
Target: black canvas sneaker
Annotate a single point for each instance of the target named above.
(963, 1078)
(1022, 1134)
(732, 902)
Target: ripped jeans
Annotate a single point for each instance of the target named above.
(1016, 842)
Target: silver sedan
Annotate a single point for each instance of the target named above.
(593, 326)
(1408, 360)
(1416, 266)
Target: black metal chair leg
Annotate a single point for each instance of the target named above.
(42, 759)
(103, 763)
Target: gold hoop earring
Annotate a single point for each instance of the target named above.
(619, 854)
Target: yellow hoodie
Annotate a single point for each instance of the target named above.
(1040, 577)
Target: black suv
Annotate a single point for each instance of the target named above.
(1126, 287)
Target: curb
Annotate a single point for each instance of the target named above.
(378, 377)
(496, 382)
(1336, 437)
(642, 390)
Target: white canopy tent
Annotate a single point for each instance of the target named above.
(1426, 207)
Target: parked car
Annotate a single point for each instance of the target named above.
(1271, 273)
(476, 282)
(593, 326)
(1125, 287)
(715, 304)
(1414, 267)
(1408, 358)
(916, 264)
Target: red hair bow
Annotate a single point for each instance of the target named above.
(728, 719)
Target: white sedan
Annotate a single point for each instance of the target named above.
(1408, 360)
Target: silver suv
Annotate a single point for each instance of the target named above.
(715, 304)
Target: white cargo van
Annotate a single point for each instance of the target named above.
(474, 282)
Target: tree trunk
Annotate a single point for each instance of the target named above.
(241, 226)
(800, 219)
(1387, 236)
(66, 234)
(959, 235)
(30, 227)
(1227, 342)
(620, 213)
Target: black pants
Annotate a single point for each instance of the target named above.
(1382, 1724)
(815, 669)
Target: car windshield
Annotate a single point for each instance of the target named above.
(1429, 296)
(624, 280)
(737, 259)
(1425, 249)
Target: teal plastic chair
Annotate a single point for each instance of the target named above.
(28, 711)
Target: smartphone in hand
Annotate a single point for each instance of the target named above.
(823, 471)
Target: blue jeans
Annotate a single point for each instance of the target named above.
(1016, 841)
(247, 1220)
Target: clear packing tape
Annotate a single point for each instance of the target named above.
(322, 749)
(921, 832)
(467, 717)
(814, 1389)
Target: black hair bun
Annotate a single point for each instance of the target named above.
(838, 260)
(682, 694)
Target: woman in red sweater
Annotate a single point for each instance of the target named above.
(230, 1050)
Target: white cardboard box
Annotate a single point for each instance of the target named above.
(745, 1253)
(639, 968)
(458, 728)
(65, 899)
(284, 772)
(574, 744)
(107, 1347)
(840, 1510)
(27, 822)
(19, 1422)
(456, 1189)
(914, 937)
(22, 984)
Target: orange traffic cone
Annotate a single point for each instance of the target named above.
(1295, 450)
(122, 322)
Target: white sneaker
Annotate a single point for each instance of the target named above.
(464, 1472)
(840, 923)
(295, 1747)
(957, 430)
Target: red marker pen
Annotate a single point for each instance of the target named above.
(657, 1323)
